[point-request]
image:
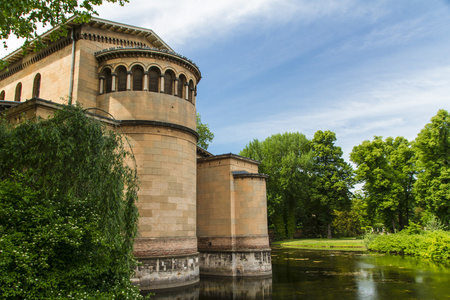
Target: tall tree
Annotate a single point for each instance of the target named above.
(68, 217)
(286, 158)
(332, 178)
(387, 170)
(205, 136)
(22, 18)
(432, 146)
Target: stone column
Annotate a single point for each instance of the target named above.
(146, 81)
(162, 84)
(186, 88)
(176, 87)
(113, 83)
(129, 81)
(102, 79)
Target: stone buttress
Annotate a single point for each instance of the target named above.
(232, 217)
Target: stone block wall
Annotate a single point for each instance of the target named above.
(232, 217)
(55, 77)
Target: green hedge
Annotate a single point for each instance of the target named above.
(433, 245)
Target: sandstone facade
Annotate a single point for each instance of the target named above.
(197, 211)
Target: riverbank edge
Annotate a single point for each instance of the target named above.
(336, 244)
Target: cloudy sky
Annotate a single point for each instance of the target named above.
(358, 68)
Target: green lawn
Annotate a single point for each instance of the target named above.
(341, 244)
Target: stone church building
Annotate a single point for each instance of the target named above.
(199, 213)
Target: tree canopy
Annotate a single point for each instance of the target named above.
(205, 135)
(432, 147)
(308, 180)
(68, 217)
(286, 158)
(332, 178)
(386, 168)
(403, 182)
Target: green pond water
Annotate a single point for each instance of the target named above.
(303, 274)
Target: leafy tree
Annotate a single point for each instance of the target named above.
(205, 135)
(332, 178)
(286, 158)
(22, 18)
(432, 147)
(353, 222)
(67, 210)
(387, 170)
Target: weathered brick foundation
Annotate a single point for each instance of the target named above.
(236, 263)
(235, 256)
(167, 271)
(166, 262)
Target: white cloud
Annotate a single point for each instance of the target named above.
(179, 21)
(395, 107)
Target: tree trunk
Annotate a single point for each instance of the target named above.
(329, 231)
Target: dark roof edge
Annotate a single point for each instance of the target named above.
(14, 56)
(228, 156)
(250, 175)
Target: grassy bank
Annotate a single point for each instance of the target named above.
(340, 244)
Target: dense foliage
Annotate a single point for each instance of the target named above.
(331, 180)
(402, 181)
(205, 136)
(386, 168)
(67, 210)
(354, 221)
(286, 158)
(307, 180)
(433, 245)
(432, 148)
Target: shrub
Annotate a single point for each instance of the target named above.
(67, 210)
(433, 245)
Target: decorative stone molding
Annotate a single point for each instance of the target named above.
(148, 52)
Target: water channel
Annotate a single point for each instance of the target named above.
(303, 274)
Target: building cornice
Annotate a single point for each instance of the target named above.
(158, 123)
(34, 103)
(161, 54)
(46, 37)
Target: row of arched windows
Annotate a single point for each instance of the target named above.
(152, 80)
(18, 93)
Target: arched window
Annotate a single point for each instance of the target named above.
(138, 78)
(191, 90)
(153, 77)
(181, 87)
(2, 95)
(121, 78)
(18, 92)
(107, 85)
(37, 85)
(168, 82)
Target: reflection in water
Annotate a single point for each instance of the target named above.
(222, 288)
(236, 288)
(302, 274)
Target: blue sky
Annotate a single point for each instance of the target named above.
(357, 68)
